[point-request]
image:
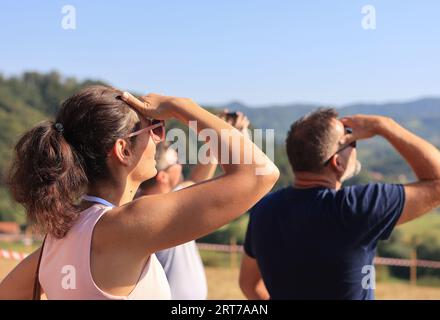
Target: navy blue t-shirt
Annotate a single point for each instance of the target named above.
(320, 243)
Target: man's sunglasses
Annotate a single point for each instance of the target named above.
(352, 145)
(156, 130)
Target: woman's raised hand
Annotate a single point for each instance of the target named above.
(154, 105)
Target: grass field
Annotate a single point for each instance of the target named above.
(223, 285)
(428, 225)
(223, 279)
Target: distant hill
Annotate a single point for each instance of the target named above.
(422, 116)
(32, 97)
(24, 101)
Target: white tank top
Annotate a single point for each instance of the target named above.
(65, 272)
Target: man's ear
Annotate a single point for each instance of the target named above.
(338, 164)
(121, 151)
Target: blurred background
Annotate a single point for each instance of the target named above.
(273, 60)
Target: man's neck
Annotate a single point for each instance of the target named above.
(307, 180)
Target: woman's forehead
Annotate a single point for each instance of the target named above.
(137, 117)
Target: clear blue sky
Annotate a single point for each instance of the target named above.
(257, 52)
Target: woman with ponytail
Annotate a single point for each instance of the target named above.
(77, 177)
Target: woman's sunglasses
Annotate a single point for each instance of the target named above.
(156, 130)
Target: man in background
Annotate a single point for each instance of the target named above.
(317, 239)
(183, 264)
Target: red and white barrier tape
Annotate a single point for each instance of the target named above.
(219, 247)
(18, 256)
(377, 260)
(12, 255)
(407, 263)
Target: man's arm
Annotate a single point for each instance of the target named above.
(251, 282)
(203, 172)
(422, 196)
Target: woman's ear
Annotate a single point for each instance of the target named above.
(121, 151)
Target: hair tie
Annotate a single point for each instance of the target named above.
(59, 127)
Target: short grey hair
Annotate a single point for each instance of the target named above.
(310, 140)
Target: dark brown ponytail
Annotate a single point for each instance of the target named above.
(56, 160)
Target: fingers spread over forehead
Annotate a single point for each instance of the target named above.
(133, 101)
(347, 121)
(349, 136)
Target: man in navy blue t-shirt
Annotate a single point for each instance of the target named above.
(316, 239)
